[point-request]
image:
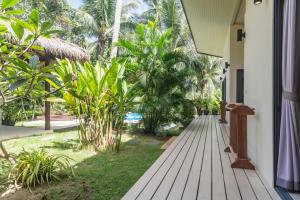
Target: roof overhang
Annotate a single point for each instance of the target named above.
(209, 22)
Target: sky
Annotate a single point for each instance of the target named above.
(74, 3)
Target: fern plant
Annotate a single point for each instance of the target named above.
(37, 167)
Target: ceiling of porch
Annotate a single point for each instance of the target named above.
(210, 21)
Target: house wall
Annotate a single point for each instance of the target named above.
(227, 59)
(236, 48)
(234, 54)
(258, 64)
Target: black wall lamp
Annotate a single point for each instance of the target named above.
(227, 65)
(257, 2)
(240, 35)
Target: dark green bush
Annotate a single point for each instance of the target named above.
(209, 104)
(20, 110)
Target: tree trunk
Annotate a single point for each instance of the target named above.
(47, 109)
(116, 28)
(6, 155)
(47, 103)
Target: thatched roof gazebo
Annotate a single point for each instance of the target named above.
(55, 48)
(51, 49)
(58, 48)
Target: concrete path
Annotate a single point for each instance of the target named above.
(12, 132)
(33, 128)
(55, 125)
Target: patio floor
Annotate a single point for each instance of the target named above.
(196, 167)
(12, 132)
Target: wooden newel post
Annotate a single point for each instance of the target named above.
(47, 109)
(47, 103)
(242, 160)
(223, 112)
(232, 147)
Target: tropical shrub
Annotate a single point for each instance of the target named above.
(206, 104)
(160, 72)
(214, 106)
(100, 97)
(22, 76)
(37, 167)
(20, 110)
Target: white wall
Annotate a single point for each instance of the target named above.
(234, 54)
(236, 48)
(258, 84)
(227, 59)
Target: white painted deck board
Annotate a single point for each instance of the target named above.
(141, 183)
(205, 185)
(191, 186)
(195, 166)
(177, 189)
(172, 174)
(232, 189)
(218, 185)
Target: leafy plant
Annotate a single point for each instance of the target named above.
(37, 167)
(209, 104)
(100, 97)
(21, 74)
(20, 110)
(159, 70)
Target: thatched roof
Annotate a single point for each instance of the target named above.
(55, 48)
(58, 48)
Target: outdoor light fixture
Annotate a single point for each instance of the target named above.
(224, 71)
(257, 2)
(227, 65)
(240, 35)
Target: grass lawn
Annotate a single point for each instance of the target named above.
(104, 175)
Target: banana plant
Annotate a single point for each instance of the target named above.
(124, 98)
(100, 96)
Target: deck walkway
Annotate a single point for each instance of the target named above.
(196, 167)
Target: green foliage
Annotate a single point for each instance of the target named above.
(160, 71)
(214, 106)
(22, 74)
(37, 167)
(62, 16)
(100, 96)
(96, 20)
(103, 175)
(8, 3)
(20, 110)
(209, 104)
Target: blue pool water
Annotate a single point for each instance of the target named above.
(133, 117)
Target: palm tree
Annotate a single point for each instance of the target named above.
(101, 20)
(116, 28)
(97, 17)
(211, 71)
(160, 70)
(170, 15)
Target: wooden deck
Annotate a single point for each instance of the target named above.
(196, 167)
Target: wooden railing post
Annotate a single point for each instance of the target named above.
(232, 147)
(242, 160)
(223, 112)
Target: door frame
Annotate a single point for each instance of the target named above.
(277, 79)
(240, 73)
